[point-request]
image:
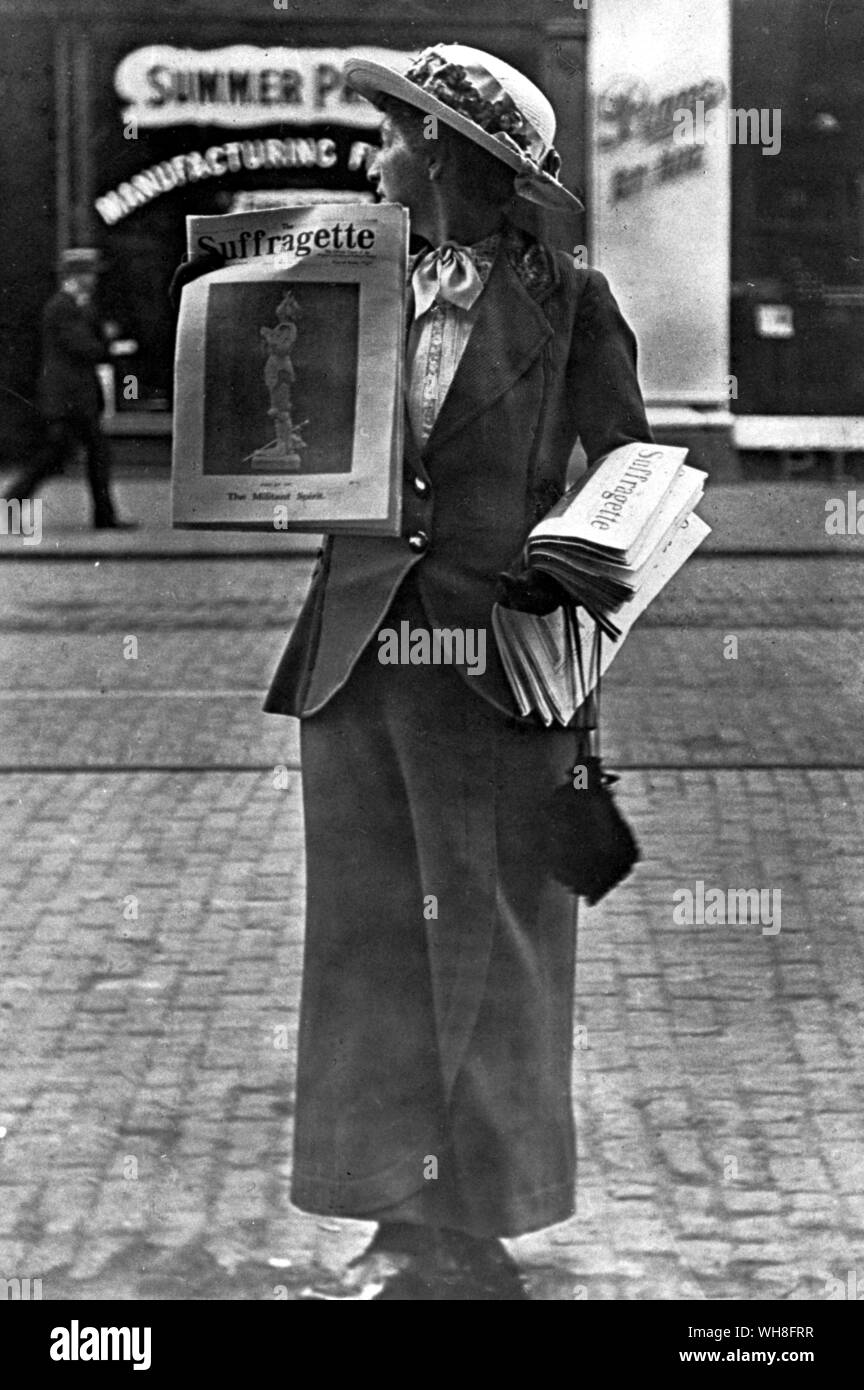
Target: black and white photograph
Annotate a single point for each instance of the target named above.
(431, 576)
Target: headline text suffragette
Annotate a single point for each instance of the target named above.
(258, 243)
(615, 500)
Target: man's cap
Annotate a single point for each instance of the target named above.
(484, 99)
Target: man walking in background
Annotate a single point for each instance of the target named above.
(70, 396)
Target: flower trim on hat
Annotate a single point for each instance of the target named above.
(501, 118)
(549, 164)
(450, 83)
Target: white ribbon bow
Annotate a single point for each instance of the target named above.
(447, 273)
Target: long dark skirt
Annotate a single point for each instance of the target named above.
(434, 1071)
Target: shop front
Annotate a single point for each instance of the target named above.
(181, 130)
(740, 263)
(797, 292)
(159, 118)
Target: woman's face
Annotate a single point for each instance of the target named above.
(399, 172)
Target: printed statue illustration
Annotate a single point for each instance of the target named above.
(283, 454)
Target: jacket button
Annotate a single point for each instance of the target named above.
(420, 485)
(419, 541)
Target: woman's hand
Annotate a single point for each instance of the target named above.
(530, 591)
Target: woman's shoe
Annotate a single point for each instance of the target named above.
(374, 1276)
(419, 1264)
(484, 1267)
(398, 1264)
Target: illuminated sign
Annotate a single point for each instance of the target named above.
(244, 85)
(234, 157)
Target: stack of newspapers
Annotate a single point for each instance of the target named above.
(612, 543)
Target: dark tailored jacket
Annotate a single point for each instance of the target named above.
(71, 347)
(546, 363)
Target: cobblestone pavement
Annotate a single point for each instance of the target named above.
(209, 634)
(153, 889)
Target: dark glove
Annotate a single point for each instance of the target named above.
(189, 269)
(530, 591)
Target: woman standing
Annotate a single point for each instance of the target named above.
(433, 1087)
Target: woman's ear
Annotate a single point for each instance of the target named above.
(435, 162)
(437, 154)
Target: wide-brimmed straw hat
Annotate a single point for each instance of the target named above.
(484, 99)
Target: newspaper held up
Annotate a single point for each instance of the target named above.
(288, 373)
